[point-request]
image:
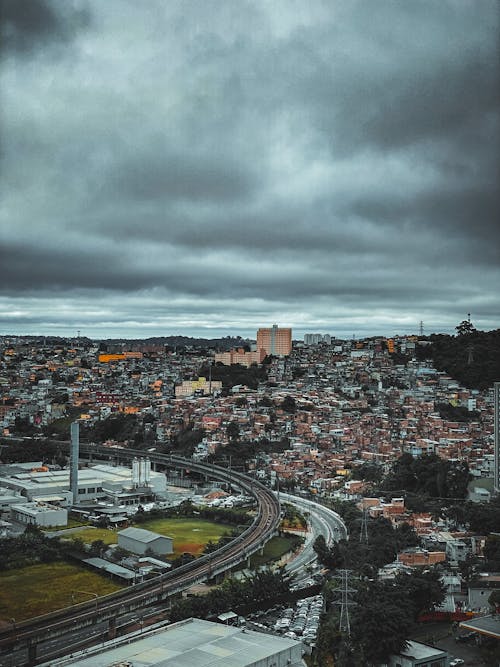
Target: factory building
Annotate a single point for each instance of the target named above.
(193, 642)
(42, 514)
(116, 485)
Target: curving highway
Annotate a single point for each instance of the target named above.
(109, 608)
(323, 521)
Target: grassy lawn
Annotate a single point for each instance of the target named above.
(189, 535)
(39, 589)
(90, 534)
(274, 550)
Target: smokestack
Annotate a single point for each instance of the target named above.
(73, 460)
(135, 472)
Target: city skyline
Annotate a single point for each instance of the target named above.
(209, 168)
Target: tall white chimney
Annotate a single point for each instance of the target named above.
(135, 472)
(74, 454)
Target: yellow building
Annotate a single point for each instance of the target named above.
(201, 385)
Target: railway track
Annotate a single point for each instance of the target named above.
(159, 589)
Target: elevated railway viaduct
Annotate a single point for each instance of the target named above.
(60, 624)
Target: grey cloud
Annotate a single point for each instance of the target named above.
(26, 25)
(165, 176)
(246, 161)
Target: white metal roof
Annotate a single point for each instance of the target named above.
(141, 535)
(194, 643)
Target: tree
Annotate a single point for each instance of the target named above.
(425, 590)
(266, 402)
(97, 548)
(233, 431)
(241, 401)
(370, 472)
(494, 600)
(492, 552)
(288, 404)
(465, 328)
(382, 621)
(323, 552)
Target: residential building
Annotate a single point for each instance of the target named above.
(275, 340)
(200, 386)
(239, 356)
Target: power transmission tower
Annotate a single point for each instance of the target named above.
(344, 602)
(363, 533)
(421, 328)
(470, 354)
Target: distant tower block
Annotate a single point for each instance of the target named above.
(73, 460)
(496, 422)
(276, 341)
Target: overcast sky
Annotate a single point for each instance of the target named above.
(205, 167)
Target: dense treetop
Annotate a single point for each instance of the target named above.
(473, 359)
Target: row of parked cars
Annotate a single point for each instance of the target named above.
(302, 621)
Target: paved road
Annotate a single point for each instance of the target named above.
(321, 521)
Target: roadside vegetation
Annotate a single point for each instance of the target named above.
(237, 594)
(276, 548)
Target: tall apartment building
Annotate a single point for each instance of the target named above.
(496, 421)
(317, 338)
(241, 357)
(275, 341)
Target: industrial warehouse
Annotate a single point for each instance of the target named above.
(194, 643)
(34, 494)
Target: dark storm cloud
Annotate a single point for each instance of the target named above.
(221, 162)
(30, 24)
(168, 176)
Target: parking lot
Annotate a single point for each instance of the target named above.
(298, 622)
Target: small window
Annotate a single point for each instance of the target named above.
(81, 492)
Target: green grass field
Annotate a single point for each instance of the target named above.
(38, 589)
(90, 534)
(274, 550)
(189, 535)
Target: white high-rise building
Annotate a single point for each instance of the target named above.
(317, 338)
